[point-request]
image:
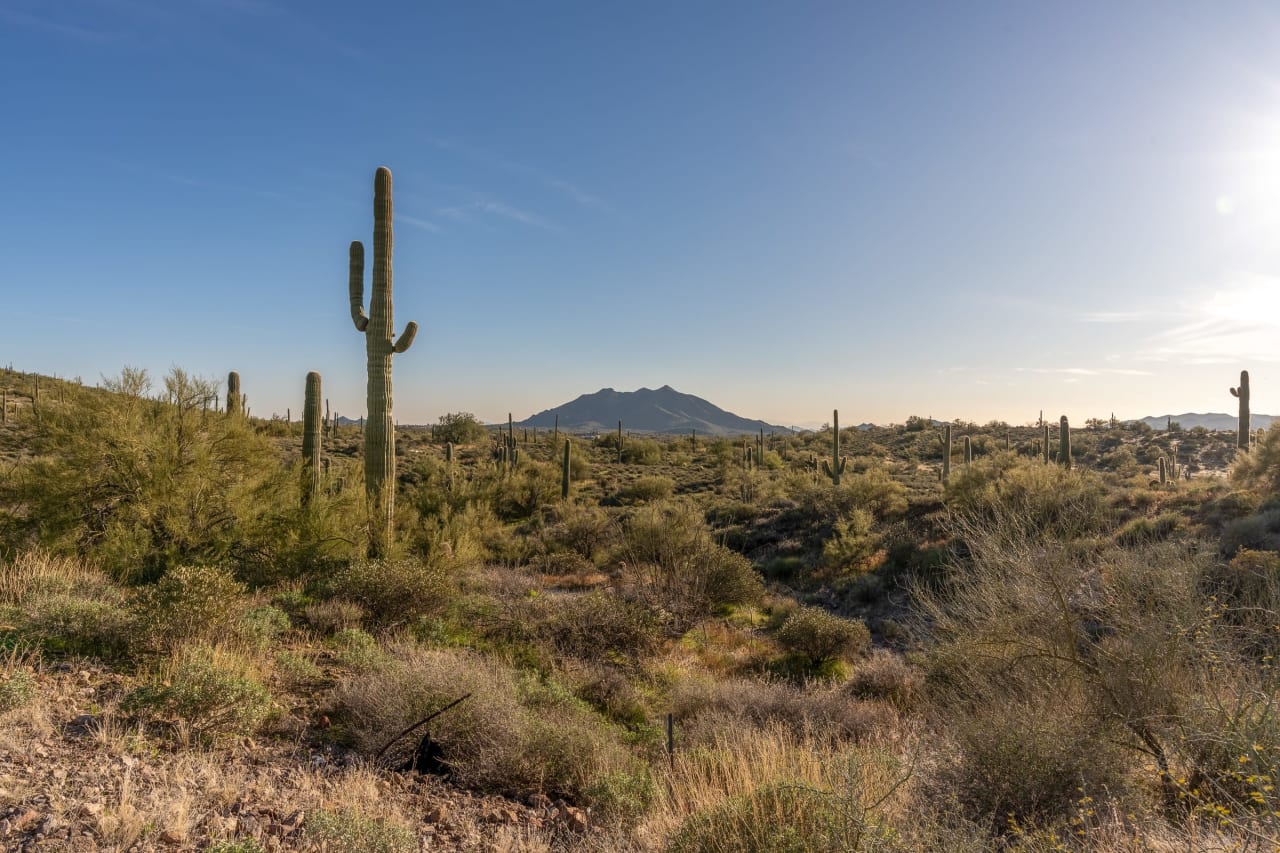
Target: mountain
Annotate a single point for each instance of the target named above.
(1211, 421)
(664, 410)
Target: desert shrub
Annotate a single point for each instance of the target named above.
(1259, 532)
(821, 636)
(585, 530)
(887, 675)
(1029, 497)
(783, 817)
(706, 707)
(17, 688)
(201, 693)
(595, 624)
(643, 489)
(673, 564)
(1232, 506)
(335, 614)
(297, 668)
(190, 603)
(1143, 531)
(67, 623)
(392, 590)
(639, 451)
(38, 573)
(346, 831)
(260, 626)
(853, 541)
(247, 845)
(511, 735)
(872, 490)
(356, 649)
(531, 487)
(1259, 469)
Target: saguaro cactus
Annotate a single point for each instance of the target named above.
(378, 327)
(968, 451)
(946, 452)
(1163, 471)
(564, 473)
(235, 402)
(1242, 393)
(835, 467)
(1064, 443)
(312, 429)
(1044, 442)
(619, 442)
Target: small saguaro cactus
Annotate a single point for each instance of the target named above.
(968, 451)
(311, 439)
(1064, 443)
(555, 433)
(834, 468)
(946, 452)
(378, 326)
(619, 442)
(235, 401)
(1163, 471)
(1242, 393)
(564, 473)
(1044, 442)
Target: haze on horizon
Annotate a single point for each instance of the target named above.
(944, 209)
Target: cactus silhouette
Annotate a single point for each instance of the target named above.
(1064, 443)
(311, 441)
(968, 450)
(1163, 473)
(946, 452)
(1044, 443)
(1242, 393)
(378, 327)
(564, 473)
(235, 402)
(619, 442)
(835, 467)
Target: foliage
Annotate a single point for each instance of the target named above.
(821, 636)
(460, 428)
(202, 692)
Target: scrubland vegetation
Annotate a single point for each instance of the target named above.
(1024, 657)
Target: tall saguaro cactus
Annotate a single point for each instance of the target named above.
(835, 467)
(946, 452)
(379, 331)
(1044, 442)
(564, 473)
(968, 451)
(1064, 443)
(1242, 393)
(311, 439)
(235, 402)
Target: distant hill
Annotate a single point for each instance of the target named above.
(1212, 421)
(664, 410)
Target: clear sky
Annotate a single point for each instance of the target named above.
(975, 210)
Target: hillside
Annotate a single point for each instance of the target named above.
(664, 410)
(1210, 421)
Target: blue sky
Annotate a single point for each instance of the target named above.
(961, 210)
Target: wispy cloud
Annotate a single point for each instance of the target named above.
(493, 207)
(1122, 316)
(1238, 322)
(418, 223)
(193, 182)
(1084, 371)
(553, 182)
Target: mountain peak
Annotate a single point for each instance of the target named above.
(664, 410)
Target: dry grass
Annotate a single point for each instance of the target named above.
(39, 572)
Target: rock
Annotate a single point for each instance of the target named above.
(501, 814)
(173, 836)
(540, 801)
(25, 819)
(572, 819)
(437, 813)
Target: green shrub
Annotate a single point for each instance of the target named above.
(1142, 531)
(191, 603)
(16, 689)
(69, 624)
(595, 624)
(1259, 532)
(202, 693)
(348, 831)
(356, 649)
(853, 541)
(821, 636)
(392, 590)
(644, 489)
(336, 614)
(260, 626)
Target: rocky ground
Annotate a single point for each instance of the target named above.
(74, 777)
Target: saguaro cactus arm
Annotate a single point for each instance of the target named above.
(355, 285)
(406, 337)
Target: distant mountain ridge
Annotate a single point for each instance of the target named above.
(661, 410)
(1210, 421)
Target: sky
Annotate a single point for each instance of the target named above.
(961, 210)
